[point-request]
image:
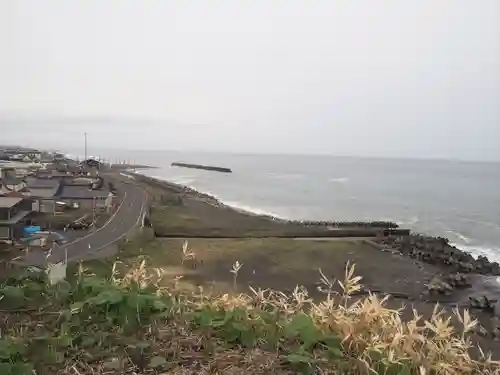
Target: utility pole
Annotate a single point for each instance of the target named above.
(93, 212)
(85, 134)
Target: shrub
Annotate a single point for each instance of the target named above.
(133, 319)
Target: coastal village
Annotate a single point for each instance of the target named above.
(108, 219)
(46, 198)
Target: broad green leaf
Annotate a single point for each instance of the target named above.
(303, 327)
(159, 305)
(248, 339)
(21, 369)
(240, 326)
(88, 341)
(298, 323)
(5, 368)
(335, 352)
(231, 334)
(77, 306)
(204, 318)
(108, 296)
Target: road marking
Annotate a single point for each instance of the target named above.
(144, 201)
(105, 225)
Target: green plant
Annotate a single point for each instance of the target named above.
(125, 319)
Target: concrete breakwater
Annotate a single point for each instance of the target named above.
(286, 228)
(205, 167)
(350, 224)
(437, 250)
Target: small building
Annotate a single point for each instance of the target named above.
(43, 192)
(9, 181)
(24, 154)
(14, 216)
(85, 197)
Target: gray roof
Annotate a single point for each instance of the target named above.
(46, 183)
(8, 180)
(81, 192)
(8, 202)
(43, 192)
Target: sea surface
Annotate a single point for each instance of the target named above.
(457, 200)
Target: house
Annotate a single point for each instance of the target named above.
(24, 154)
(10, 182)
(14, 216)
(85, 197)
(43, 192)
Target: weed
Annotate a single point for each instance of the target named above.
(124, 321)
(234, 270)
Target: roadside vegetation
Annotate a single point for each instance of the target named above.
(126, 318)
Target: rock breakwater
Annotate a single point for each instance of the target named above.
(205, 167)
(437, 250)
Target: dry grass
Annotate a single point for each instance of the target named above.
(131, 319)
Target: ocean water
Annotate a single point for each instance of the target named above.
(457, 200)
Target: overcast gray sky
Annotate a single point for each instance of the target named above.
(360, 77)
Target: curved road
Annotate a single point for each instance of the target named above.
(125, 218)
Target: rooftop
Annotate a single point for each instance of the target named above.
(46, 183)
(8, 202)
(81, 192)
(43, 192)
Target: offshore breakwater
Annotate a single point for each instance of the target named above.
(203, 167)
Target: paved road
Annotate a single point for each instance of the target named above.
(125, 218)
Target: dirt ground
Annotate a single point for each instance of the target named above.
(283, 263)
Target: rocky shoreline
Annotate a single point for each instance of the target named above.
(448, 275)
(439, 251)
(433, 250)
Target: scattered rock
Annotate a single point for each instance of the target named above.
(438, 286)
(496, 309)
(458, 280)
(482, 303)
(437, 250)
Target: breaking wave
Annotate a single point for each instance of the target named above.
(459, 236)
(249, 209)
(492, 253)
(182, 180)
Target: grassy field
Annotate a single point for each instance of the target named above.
(136, 320)
(280, 263)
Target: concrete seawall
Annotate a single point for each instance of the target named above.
(205, 167)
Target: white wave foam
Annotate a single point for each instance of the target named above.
(183, 180)
(339, 180)
(492, 253)
(459, 235)
(236, 205)
(410, 221)
(249, 209)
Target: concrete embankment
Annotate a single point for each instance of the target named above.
(205, 167)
